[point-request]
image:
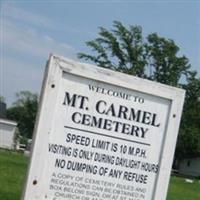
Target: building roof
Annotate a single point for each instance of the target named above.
(7, 121)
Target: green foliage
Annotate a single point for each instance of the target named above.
(120, 49)
(24, 112)
(166, 66)
(125, 50)
(2, 99)
(156, 58)
(189, 138)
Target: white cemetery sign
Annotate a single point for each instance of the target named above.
(102, 135)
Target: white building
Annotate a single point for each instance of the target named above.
(190, 167)
(7, 133)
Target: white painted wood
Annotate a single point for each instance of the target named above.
(157, 138)
(7, 131)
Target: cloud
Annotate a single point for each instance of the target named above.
(27, 33)
(17, 14)
(25, 49)
(11, 11)
(18, 75)
(27, 41)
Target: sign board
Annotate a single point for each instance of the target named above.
(102, 135)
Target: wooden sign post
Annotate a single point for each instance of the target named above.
(102, 135)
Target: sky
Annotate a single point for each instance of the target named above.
(31, 30)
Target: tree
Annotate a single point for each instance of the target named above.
(121, 49)
(188, 144)
(166, 67)
(125, 50)
(24, 112)
(156, 58)
(2, 99)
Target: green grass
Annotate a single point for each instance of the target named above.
(179, 189)
(13, 168)
(12, 174)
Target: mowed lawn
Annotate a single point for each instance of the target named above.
(181, 190)
(13, 168)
